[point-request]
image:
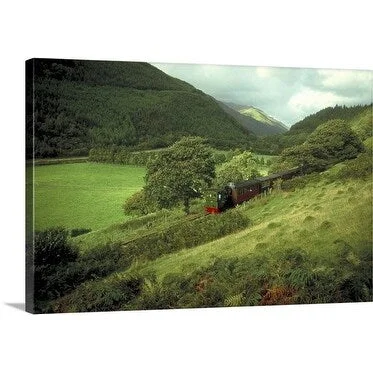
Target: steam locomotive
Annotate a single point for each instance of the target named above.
(234, 194)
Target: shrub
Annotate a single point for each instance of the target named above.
(121, 155)
(99, 296)
(359, 167)
(59, 268)
(163, 294)
(101, 261)
(266, 277)
(52, 248)
(53, 257)
(138, 204)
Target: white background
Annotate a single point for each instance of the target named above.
(272, 33)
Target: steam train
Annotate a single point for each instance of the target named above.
(234, 194)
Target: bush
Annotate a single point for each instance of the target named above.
(359, 167)
(59, 268)
(52, 248)
(121, 155)
(139, 204)
(99, 296)
(61, 278)
(53, 257)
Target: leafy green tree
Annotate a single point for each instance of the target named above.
(180, 173)
(336, 141)
(309, 157)
(243, 166)
(330, 143)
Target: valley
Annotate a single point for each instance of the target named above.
(120, 158)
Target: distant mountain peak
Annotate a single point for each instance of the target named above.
(261, 116)
(255, 119)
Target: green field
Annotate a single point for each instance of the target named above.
(81, 195)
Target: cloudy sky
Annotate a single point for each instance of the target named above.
(287, 94)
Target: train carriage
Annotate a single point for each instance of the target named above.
(233, 194)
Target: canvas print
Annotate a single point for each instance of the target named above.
(171, 186)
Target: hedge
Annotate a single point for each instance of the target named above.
(120, 155)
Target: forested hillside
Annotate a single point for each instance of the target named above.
(77, 105)
(358, 118)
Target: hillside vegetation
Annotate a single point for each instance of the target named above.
(84, 104)
(309, 243)
(358, 118)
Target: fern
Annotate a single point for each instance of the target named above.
(234, 300)
(300, 277)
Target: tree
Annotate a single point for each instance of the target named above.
(180, 173)
(337, 141)
(241, 167)
(309, 157)
(331, 142)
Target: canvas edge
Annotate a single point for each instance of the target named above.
(29, 216)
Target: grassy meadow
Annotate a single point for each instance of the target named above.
(307, 244)
(81, 195)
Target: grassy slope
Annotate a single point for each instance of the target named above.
(260, 116)
(261, 125)
(314, 220)
(130, 229)
(311, 219)
(82, 195)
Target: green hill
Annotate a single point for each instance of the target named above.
(82, 104)
(254, 119)
(358, 118)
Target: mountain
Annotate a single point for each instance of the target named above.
(74, 105)
(261, 116)
(254, 119)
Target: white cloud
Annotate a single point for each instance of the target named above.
(264, 72)
(309, 101)
(288, 94)
(344, 79)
